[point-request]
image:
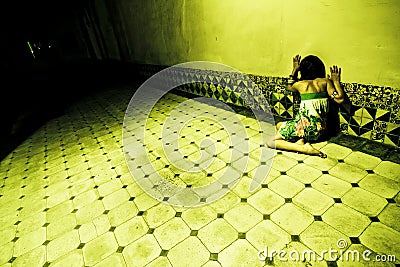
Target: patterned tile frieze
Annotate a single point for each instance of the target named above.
(374, 112)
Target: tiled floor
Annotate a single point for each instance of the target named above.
(68, 198)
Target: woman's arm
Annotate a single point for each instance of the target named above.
(334, 87)
(293, 77)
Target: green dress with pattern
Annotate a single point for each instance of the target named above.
(310, 122)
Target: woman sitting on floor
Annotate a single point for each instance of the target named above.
(310, 123)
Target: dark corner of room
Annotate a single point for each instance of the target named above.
(53, 55)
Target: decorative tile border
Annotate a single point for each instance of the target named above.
(374, 113)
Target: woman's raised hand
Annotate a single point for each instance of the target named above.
(335, 73)
(296, 62)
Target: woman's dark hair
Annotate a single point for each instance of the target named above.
(311, 67)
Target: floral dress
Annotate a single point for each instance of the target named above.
(310, 122)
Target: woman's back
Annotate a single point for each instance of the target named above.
(311, 86)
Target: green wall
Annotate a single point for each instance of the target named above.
(261, 36)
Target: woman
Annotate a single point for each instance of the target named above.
(310, 123)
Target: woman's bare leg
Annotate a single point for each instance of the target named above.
(278, 143)
(305, 148)
(300, 141)
(278, 125)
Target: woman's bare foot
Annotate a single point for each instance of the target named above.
(310, 150)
